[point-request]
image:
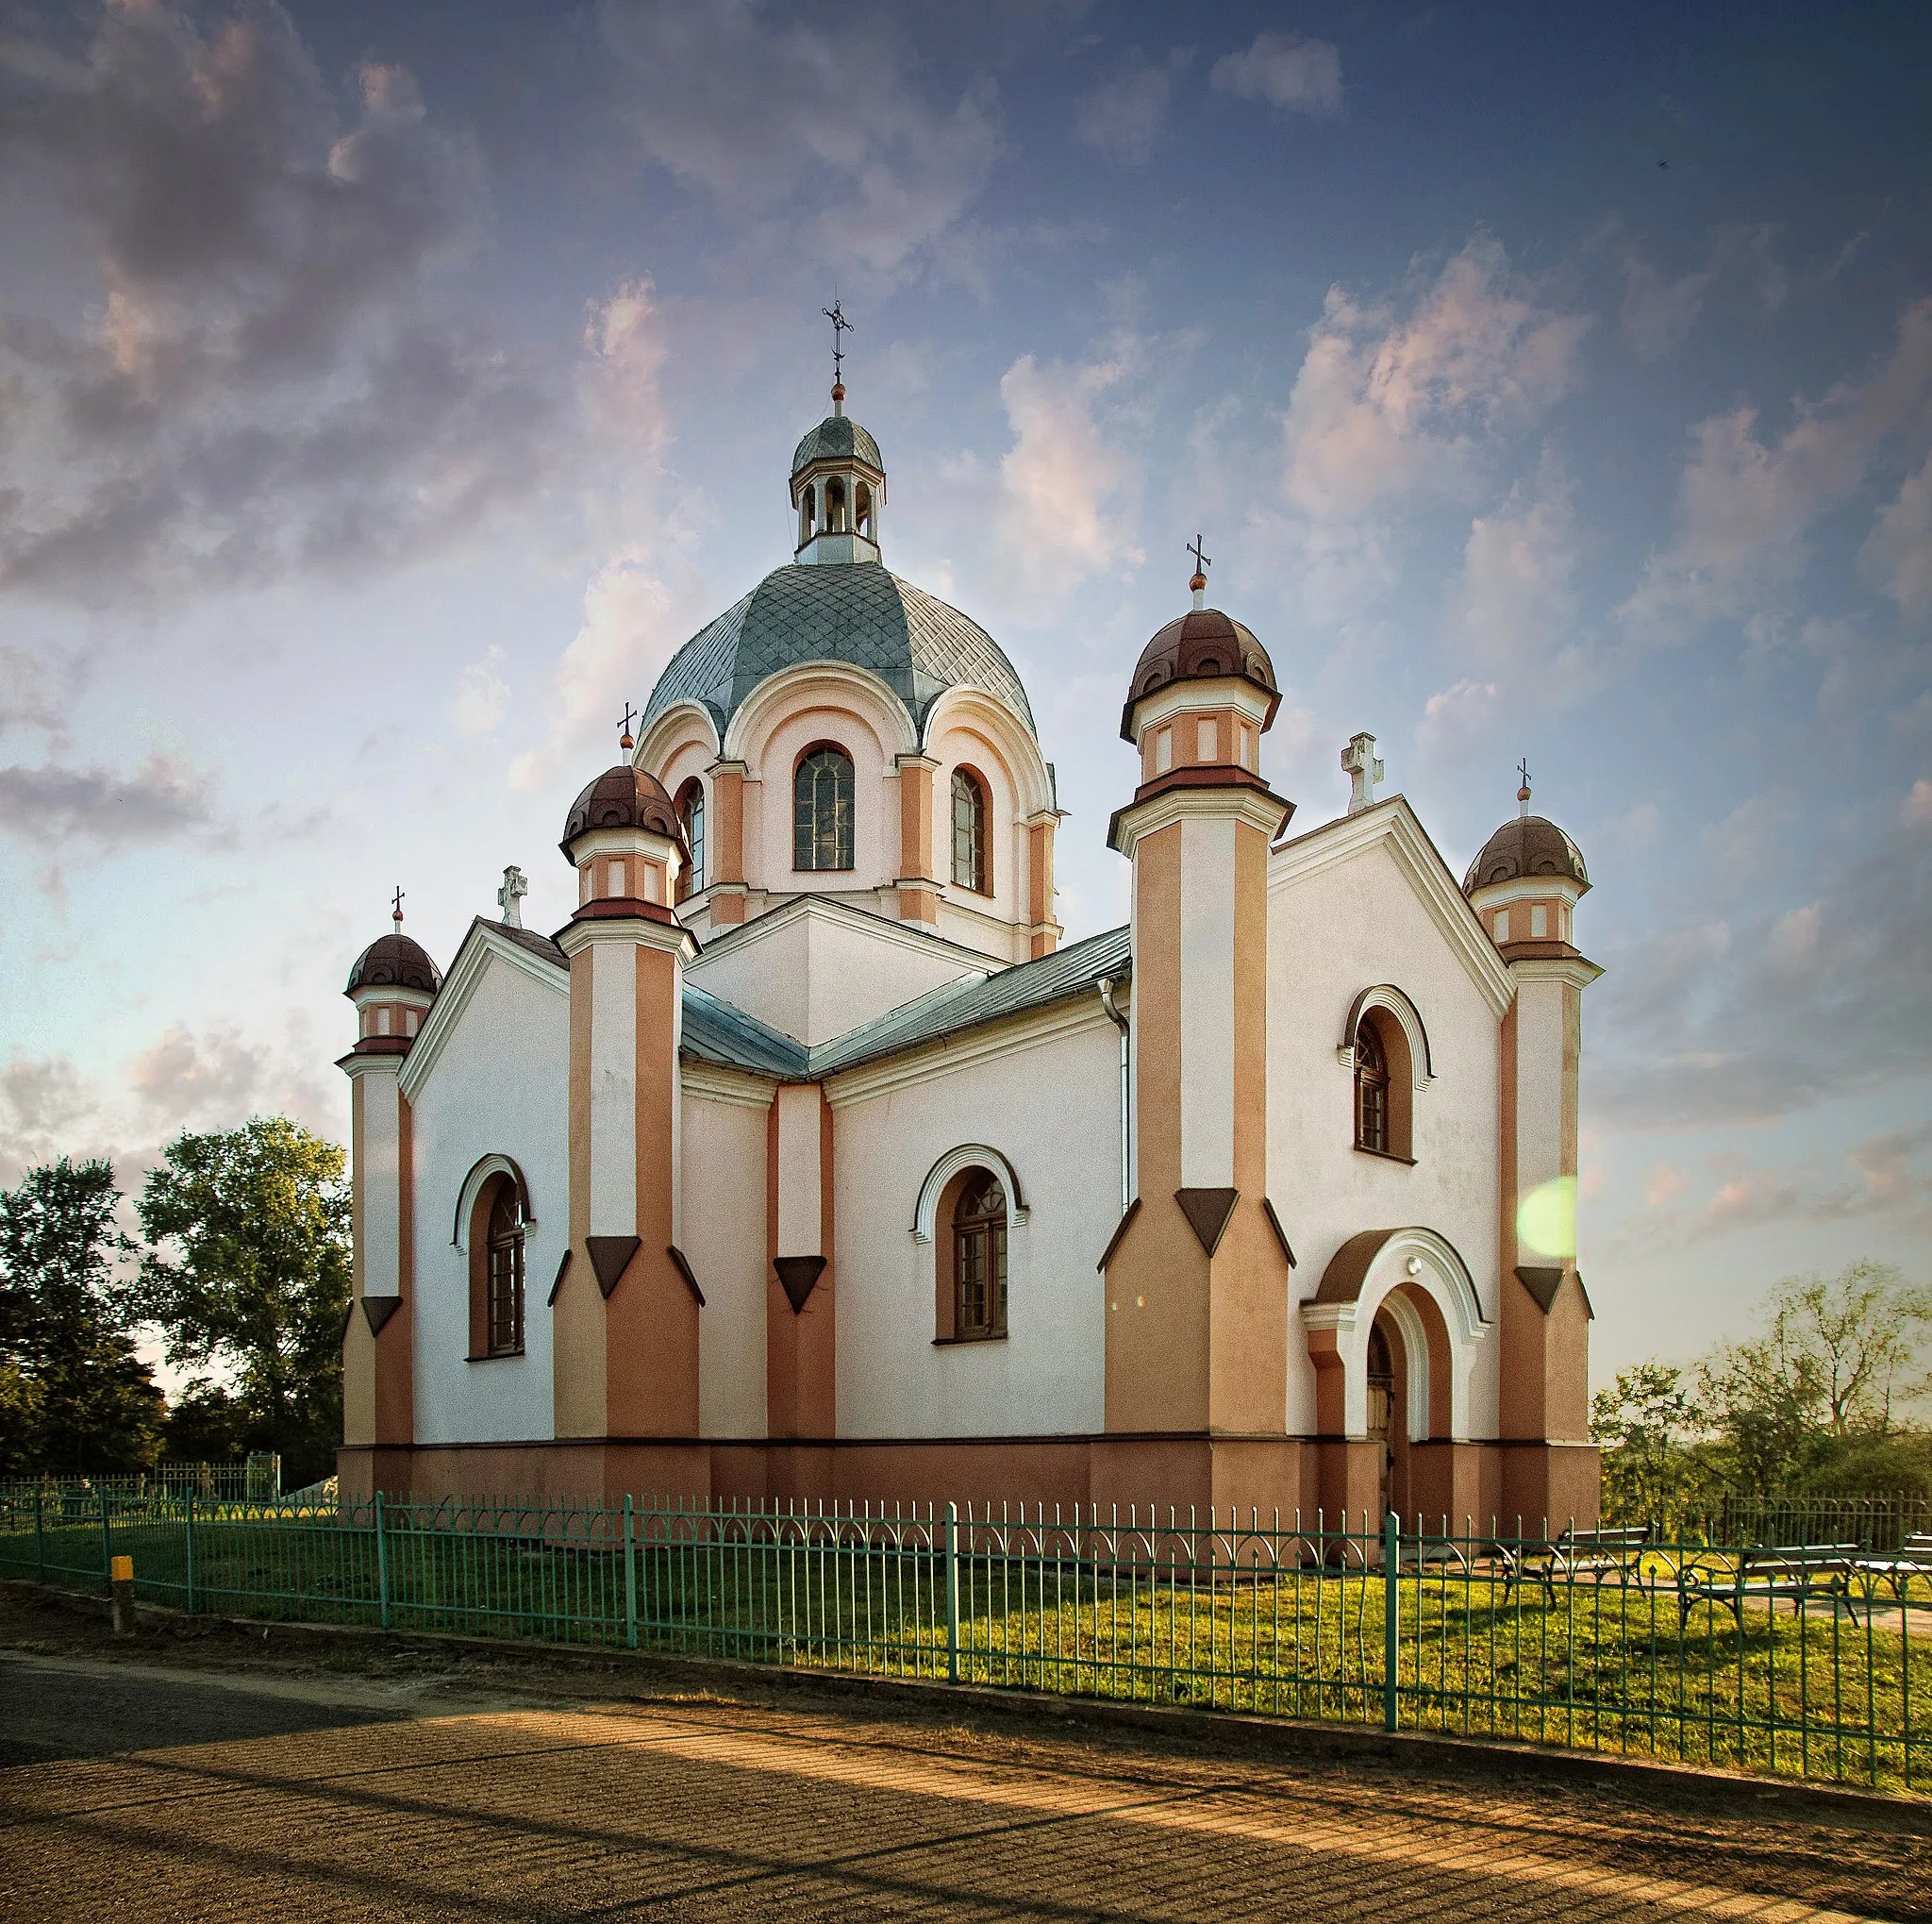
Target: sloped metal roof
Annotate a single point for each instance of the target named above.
(718, 1032)
(857, 613)
(838, 437)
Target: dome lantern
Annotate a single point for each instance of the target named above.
(1527, 882)
(837, 476)
(624, 838)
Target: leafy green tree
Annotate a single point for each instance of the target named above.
(1643, 1422)
(77, 1399)
(247, 1268)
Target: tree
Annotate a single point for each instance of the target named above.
(76, 1398)
(1643, 1422)
(247, 1268)
(1828, 1377)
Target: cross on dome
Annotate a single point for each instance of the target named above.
(841, 325)
(1199, 581)
(396, 911)
(630, 716)
(1523, 793)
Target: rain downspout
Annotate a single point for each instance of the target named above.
(1120, 1022)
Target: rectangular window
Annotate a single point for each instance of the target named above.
(1163, 751)
(506, 1297)
(1208, 739)
(1538, 922)
(382, 1022)
(613, 881)
(652, 892)
(409, 1020)
(981, 1254)
(1502, 924)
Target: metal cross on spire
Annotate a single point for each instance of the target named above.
(1200, 562)
(630, 716)
(1523, 793)
(396, 911)
(840, 327)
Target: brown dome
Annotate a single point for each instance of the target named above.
(1198, 646)
(394, 961)
(622, 797)
(1525, 846)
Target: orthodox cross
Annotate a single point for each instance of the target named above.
(841, 325)
(396, 911)
(1364, 770)
(1200, 562)
(629, 716)
(512, 891)
(1523, 793)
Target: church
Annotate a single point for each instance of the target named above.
(805, 1162)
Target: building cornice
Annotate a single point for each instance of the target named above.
(715, 1083)
(1578, 971)
(1217, 794)
(1394, 824)
(743, 935)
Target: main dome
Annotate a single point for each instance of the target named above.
(857, 613)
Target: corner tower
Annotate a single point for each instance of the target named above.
(1196, 1278)
(1525, 886)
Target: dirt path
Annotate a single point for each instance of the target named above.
(208, 1777)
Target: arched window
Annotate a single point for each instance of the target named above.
(862, 511)
(1371, 1090)
(821, 794)
(808, 507)
(971, 867)
(505, 1332)
(691, 815)
(835, 506)
(979, 1257)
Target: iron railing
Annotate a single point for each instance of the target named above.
(1816, 1664)
(259, 1480)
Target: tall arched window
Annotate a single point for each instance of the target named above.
(1371, 1090)
(808, 508)
(504, 1308)
(835, 506)
(971, 867)
(691, 815)
(979, 1257)
(821, 793)
(861, 512)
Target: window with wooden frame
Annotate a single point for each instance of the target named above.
(1384, 1087)
(823, 793)
(980, 1258)
(971, 865)
(690, 816)
(498, 1230)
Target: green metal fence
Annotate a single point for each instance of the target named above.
(257, 1480)
(1814, 1661)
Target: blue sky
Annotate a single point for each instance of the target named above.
(386, 390)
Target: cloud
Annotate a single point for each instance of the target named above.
(1296, 75)
(1658, 313)
(1064, 490)
(818, 141)
(158, 801)
(1915, 811)
(1515, 604)
(261, 384)
(1124, 117)
(1746, 502)
(1411, 397)
(1457, 716)
(1897, 556)
(1666, 1182)
(482, 695)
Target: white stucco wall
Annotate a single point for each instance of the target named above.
(1330, 935)
(816, 975)
(1053, 1110)
(724, 1239)
(500, 1085)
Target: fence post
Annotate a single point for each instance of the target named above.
(1392, 1613)
(952, 1593)
(39, 1539)
(106, 1548)
(630, 1578)
(381, 1564)
(190, 1550)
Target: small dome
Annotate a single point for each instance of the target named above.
(836, 438)
(394, 962)
(622, 797)
(1199, 645)
(1525, 846)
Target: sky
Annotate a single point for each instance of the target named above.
(385, 392)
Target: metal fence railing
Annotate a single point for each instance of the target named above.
(1880, 1522)
(259, 1480)
(1814, 1660)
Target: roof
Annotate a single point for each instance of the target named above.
(838, 437)
(858, 613)
(1525, 846)
(394, 961)
(719, 1031)
(955, 1006)
(1203, 645)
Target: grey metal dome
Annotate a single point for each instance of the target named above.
(856, 613)
(838, 437)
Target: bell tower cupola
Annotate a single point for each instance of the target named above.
(838, 477)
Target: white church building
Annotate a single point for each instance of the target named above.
(804, 1162)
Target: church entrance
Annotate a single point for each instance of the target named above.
(1388, 1425)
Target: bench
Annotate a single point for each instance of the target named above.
(1814, 1570)
(1914, 1559)
(1598, 1554)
